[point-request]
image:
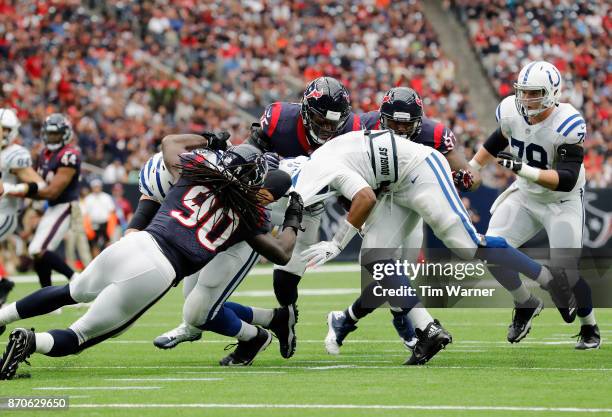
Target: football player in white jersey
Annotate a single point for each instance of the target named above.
(16, 166)
(545, 138)
(413, 181)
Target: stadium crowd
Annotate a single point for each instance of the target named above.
(574, 36)
(92, 65)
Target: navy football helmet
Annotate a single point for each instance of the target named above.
(246, 163)
(401, 111)
(56, 131)
(326, 107)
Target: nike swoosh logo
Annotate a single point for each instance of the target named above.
(413, 180)
(563, 201)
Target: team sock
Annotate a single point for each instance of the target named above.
(43, 301)
(419, 316)
(9, 314)
(285, 287)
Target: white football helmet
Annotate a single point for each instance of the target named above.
(155, 180)
(9, 122)
(537, 88)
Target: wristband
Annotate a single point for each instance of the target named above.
(474, 164)
(15, 188)
(530, 173)
(345, 233)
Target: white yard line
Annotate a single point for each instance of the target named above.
(428, 368)
(156, 379)
(257, 271)
(354, 407)
(93, 388)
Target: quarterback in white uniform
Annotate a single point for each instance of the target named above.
(415, 181)
(545, 138)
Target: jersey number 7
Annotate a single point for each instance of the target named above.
(214, 226)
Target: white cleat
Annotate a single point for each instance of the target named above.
(180, 334)
(338, 328)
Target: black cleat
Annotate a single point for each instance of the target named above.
(339, 326)
(245, 352)
(431, 340)
(562, 294)
(2, 329)
(588, 338)
(522, 316)
(283, 326)
(404, 330)
(21, 344)
(6, 286)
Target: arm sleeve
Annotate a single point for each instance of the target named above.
(496, 142)
(568, 166)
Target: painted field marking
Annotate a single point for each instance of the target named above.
(355, 407)
(94, 388)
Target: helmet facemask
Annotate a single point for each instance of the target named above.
(401, 124)
(530, 101)
(324, 127)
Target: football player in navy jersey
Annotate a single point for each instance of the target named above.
(59, 165)
(298, 129)
(401, 111)
(215, 203)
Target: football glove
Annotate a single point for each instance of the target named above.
(293, 214)
(463, 179)
(320, 253)
(507, 160)
(273, 160)
(217, 141)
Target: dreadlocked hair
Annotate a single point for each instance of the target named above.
(231, 192)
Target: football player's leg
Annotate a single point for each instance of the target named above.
(83, 288)
(460, 234)
(205, 295)
(49, 234)
(565, 230)
(512, 221)
(8, 224)
(286, 278)
(142, 276)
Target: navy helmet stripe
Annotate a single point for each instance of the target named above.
(158, 180)
(569, 119)
(143, 182)
(498, 112)
(527, 72)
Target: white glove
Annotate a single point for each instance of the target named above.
(320, 253)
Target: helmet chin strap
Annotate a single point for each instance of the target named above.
(316, 139)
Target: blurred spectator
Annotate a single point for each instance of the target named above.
(99, 207)
(114, 173)
(123, 209)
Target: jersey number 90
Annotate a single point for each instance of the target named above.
(204, 212)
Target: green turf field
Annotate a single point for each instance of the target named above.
(479, 374)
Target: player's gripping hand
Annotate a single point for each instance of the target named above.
(217, 141)
(507, 160)
(463, 179)
(293, 214)
(273, 160)
(320, 253)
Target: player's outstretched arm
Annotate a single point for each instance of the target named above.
(53, 190)
(175, 145)
(495, 143)
(562, 178)
(27, 176)
(468, 178)
(279, 250)
(361, 206)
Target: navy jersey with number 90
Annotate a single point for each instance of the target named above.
(191, 227)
